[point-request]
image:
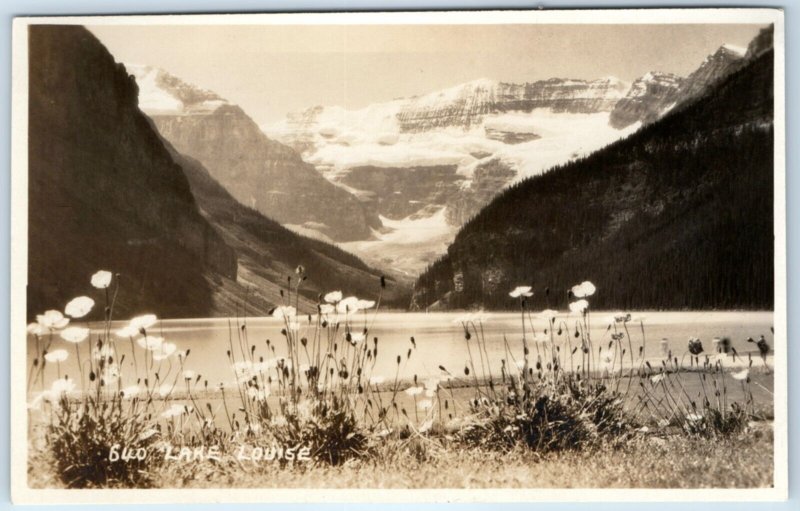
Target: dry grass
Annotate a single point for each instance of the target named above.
(745, 461)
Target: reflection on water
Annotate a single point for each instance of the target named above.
(439, 339)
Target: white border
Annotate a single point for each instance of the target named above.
(19, 264)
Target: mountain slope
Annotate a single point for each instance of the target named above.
(103, 191)
(257, 171)
(268, 252)
(677, 215)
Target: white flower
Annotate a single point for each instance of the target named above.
(62, 386)
(584, 289)
(52, 320)
(101, 279)
(414, 391)
(173, 411)
(694, 417)
(79, 307)
(127, 331)
(326, 308)
(357, 338)
(384, 432)
(549, 314)
(365, 304)
(520, 291)
(377, 380)
(131, 391)
(143, 322)
(656, 379)
(189, 374)
(284, 311)
(430, 392)
(164, 390)
(151, 343)
(348, 305)
(741, 375)
(425, 426)
(579, 306)
(164, 351)
(37, 329)
(425, 404)
(293, 325)
(56, 356)
(75, 334)
(333, 297)
(520, 363)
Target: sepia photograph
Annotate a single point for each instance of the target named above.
(469, 254)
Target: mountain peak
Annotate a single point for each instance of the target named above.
(730, 48)
(161, 93)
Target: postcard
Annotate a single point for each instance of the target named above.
(408, 256)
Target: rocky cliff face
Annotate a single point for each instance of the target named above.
(466, 105)
(716, 66)
(104, 193)
(259, 172)
(648, 99)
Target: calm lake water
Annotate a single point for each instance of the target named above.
(439, 340)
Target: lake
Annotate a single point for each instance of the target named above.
(439, 340)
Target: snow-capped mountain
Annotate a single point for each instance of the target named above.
(259, 172)
(428, 163)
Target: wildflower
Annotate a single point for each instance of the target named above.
(425, 426)
(741, 375)
(131, 391)
(56, 356)
(384, 432)
(173, 411)
(189, 374)
(377, 380)
(414, 391)
(142, 323)
(695, 346)
(425, 404)
(365, 304)
(694, 417)
(579, 306)
(348, 305)
(127, 331)
(333, 297)
(79, 307)
(657, 378)
(164, 390)
(357, 338)
(151, 343)
(284, 311)
(52, 320)
(549, 314)
(584, 289)
(619, 317)
(326, 308)
(37, 329)
(75, 334)
(62, 386)
(521, 291)
(101, 279)
(164, 351)
(430, 392)
(293, 325)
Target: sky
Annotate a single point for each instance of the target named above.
(273, 70)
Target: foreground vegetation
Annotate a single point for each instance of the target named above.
(564, 410)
